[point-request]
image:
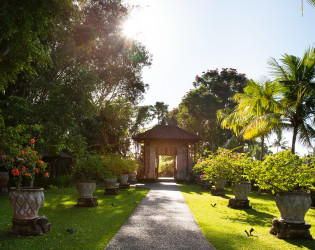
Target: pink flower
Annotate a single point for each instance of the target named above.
(32, 141)
(3, 157)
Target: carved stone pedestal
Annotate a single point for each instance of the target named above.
(217, 192)
(87, 202)
(112, 191)
(124, 186)
(206, 186)
(238, 204)
(33, 227)
(284, 230)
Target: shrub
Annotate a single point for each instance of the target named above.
(283, 171)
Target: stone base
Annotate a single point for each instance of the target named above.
(206, 187)
(217, 192)
(284, 230)
(112, 191)
(33, 227)
(124, 186)
(4, 191)
(87, 202)
(133, 181)
(238, 204)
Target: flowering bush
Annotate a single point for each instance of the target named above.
(18, 154)
(224, 164)
(24, 161)
(283, 171)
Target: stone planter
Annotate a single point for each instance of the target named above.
(4, 179)
(86, 190)
(218, 189)
(111, 188)
(110, 183)
(132, 178)
(26, 203)
(313, 197)
(293, 207)
(241, 191)
(123, 179)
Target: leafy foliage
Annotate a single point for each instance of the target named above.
(297, 75)
(224, 164)
(283, 171)
(197, 111)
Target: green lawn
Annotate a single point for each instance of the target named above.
(93, 227)
(225, 227)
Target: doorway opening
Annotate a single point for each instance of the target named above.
(166, 166)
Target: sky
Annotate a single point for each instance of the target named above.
(187, 37)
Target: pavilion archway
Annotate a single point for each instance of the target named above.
(166, 140)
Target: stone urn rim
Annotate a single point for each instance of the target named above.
(26, 188)
(299, 192)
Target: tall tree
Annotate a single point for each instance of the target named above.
(257, 111)
(297, 76)
(197, 110)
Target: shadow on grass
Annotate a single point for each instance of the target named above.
(255, 218)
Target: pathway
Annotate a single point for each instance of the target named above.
(161, 221)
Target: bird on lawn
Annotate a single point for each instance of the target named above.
(70, 230)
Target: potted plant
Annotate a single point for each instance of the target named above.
(4, 175)
(241, 186)
(24, 163)
(87, 168)
(216, 168)
(288, 176)
(129, 167)
(111, 163)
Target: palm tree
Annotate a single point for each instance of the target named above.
(280, 141)
(310, 2)
(297, 76)
(257, 111)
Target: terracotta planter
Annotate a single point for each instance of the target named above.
(26, 202)
(293, 206)
(110, 183)
(123, 179)
(241, 190)
(86, 189)
(4, 179)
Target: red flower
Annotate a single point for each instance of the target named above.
(47, 174)
(15, 172)
(27, 174)
(36, 170)
(22, 152)
(12, 159)
(3, 157)
(32, 141)
(23, 168)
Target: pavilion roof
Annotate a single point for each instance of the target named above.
(166, 132)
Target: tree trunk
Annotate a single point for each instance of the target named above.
(295, 130)
(262, 147)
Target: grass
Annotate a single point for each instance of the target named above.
(93, 226)
(225, 227)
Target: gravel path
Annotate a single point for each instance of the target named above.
(161, 221)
